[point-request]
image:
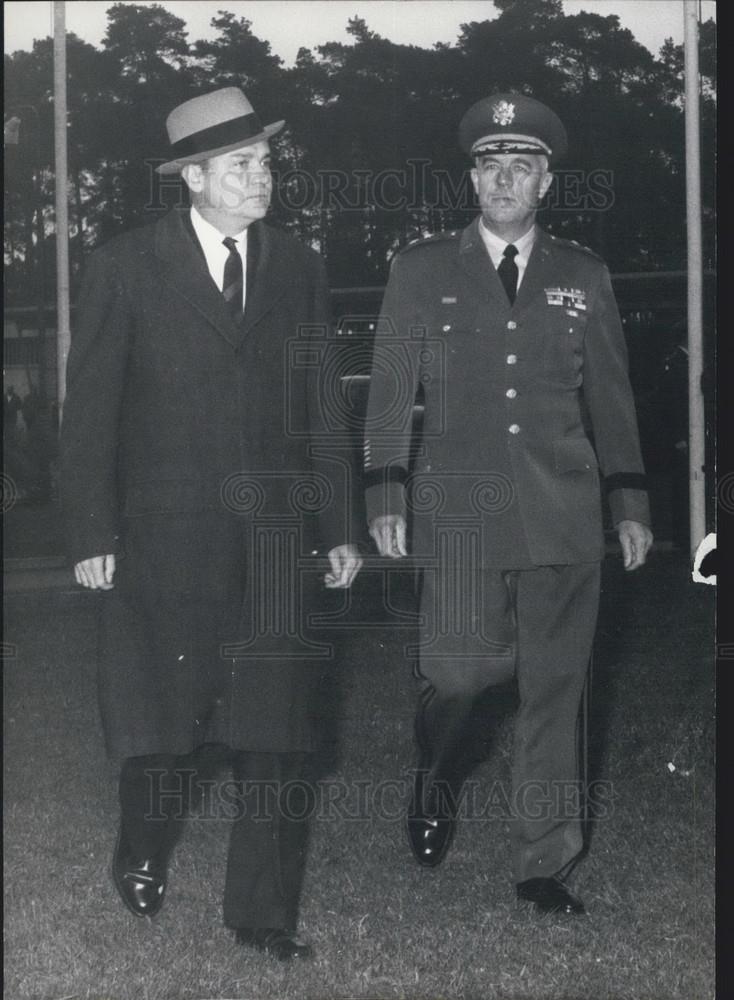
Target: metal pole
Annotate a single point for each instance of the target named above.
(696, 430)
(41, 270)
(63, 327)
(36, 180)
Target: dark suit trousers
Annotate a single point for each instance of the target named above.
(269, 832)
(536, 625)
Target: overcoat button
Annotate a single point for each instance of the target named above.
(514, 428)
(512, 359)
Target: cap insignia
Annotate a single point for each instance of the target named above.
(504, 113)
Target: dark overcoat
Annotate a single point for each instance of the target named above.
(526, 405)
(186, 452)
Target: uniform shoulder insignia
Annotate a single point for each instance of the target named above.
(430, 240)
(575, 245)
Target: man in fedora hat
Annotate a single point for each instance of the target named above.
(196, 505)
(515, 339)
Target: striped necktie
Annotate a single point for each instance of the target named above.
(233, 280)
(508, 271)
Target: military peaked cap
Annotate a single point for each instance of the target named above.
(512, 123)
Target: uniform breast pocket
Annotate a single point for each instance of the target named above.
(449, 325)
(564, 344)
(447, 335)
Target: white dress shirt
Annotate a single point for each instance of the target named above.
(216, 252)
(496, 247)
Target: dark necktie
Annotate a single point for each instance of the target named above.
(508, 271)
(232, 285)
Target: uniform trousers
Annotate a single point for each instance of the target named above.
(268, 838)
(481, 630)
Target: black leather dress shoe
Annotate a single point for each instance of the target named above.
(550, 895)
(431, 823)
(141, 882)
(273, 941)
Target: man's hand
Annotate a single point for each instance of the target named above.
(388, 533)
(635, 539)
(346, 562)
(96, 573)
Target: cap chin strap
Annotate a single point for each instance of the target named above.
(507, 143)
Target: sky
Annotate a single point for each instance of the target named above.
(290, 24)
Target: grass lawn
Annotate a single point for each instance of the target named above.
(381, 926)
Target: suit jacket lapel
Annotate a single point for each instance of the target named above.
(266, 277)
(184, 266)
(535, 273)
(477, 265)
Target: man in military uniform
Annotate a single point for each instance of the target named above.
(515, 339)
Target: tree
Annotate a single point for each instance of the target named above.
(148, 43)
(148, 50)
(370, 157)
(511, 52)
(671, 85)
(30, 164)
(238, 58)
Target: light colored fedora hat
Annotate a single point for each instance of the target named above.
(213, 124)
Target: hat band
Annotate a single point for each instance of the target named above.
(223, 134)
(510, 144)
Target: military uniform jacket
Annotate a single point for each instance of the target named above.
(186, 451)
(525, 406)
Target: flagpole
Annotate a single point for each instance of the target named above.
(696, 430)
(63, 326)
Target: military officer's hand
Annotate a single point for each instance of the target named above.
(346, 562)
(388, 533)
(635, 539)
(96, 573)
